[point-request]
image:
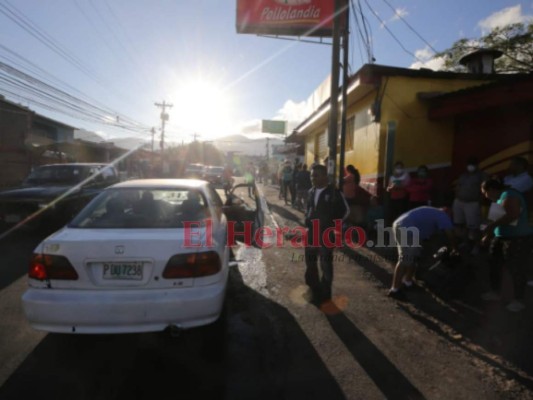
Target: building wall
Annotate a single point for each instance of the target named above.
(494, 136)
(418, 140)
(14, 157)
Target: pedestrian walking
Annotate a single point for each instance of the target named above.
(325, 204)
(303, 184)
(286, 181)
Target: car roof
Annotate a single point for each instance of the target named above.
(74, 165)
(161, 183)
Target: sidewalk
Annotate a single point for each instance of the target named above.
(373, 346)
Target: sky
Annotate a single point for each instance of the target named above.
(123, 56)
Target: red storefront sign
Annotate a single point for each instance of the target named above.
(286, 17)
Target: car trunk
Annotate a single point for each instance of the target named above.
(121, 258)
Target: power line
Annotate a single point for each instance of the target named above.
(410, 27)
(363, 35)
(30, 27)
(390, 32)
(30, 89)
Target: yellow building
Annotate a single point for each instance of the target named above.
(387, 121)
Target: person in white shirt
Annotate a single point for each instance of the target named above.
(519, 179)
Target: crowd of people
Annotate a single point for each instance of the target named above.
(504, 231)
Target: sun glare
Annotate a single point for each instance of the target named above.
(202, 107)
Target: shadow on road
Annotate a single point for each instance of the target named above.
(389, 380)
(460, 317)
(267, 356)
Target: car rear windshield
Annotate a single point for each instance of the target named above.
(215, 170)
(57, 174)
(143, 208)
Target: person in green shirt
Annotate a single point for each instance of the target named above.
(510, 239)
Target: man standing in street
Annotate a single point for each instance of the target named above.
(325, 204)
(410, 230)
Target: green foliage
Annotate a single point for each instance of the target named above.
(514, 40)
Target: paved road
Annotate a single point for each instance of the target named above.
(278, 345)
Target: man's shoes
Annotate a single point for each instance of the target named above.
(491, 296)
(397, 295)
(515, 306)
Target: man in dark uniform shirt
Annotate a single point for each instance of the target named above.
(325, 204)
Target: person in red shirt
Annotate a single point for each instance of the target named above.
(419, 188)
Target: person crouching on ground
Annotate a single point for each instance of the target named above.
(410, 230)
(510, 238)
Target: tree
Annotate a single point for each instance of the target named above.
(514, 40)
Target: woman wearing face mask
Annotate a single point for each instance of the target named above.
(466, 206)
(419, 188)
(398, 183)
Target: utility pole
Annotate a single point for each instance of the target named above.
(268, 149)
(344, 100)
(153, 134)
(334, 93)
(164, 118)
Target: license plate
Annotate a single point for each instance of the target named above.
(12, 218)
(123, 270)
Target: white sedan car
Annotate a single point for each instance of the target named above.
(142, 256)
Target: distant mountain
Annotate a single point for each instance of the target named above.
(126, 143)
(130, 143)
(88, 136)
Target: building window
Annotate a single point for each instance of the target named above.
(322, 144)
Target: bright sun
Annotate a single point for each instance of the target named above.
(201, 107)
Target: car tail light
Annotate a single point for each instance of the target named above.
(193, 265)
(45, 266)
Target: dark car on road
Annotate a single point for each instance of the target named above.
(52, 194)
(213, 174)
(195, 171)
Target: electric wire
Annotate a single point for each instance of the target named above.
(391, 33)
(410, 26)
(38, 83)
(28, 88)
(367, 29)
(12, 13)
(363, 32)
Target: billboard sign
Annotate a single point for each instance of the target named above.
(273, 126)
(286, 17)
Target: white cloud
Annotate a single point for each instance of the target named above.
(510, 15)
(293, 111)
(426, 59)
(399, 13)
